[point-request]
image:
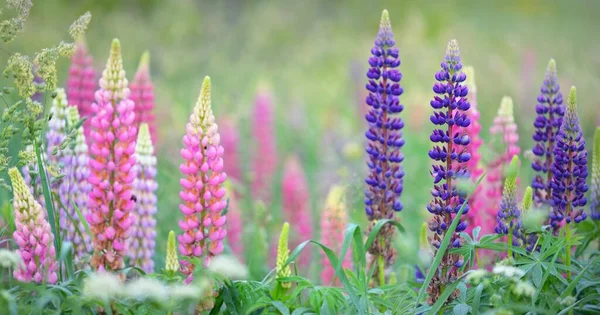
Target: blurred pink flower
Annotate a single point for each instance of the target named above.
(264, 163)
(81, 83)
(142, 94)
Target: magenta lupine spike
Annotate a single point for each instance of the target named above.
(235, 228)
(333, 223)
(230, 140)
(264, 163)
(474, 166)
(202, 194)
(143, 232)
(75, 188)
(505, 129)
(142, 94)
(32, 235)
(81, 83)
(296, 206)
(112, 157)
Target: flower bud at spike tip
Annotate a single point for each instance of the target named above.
(172, 261)
(283, 253)
(384, 181)
(202, 194)
(36, 248)
(595, 187)
(112, 156)
(527, 199)
(570, 170)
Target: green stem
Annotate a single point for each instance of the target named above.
(381, 265)
(477, 257)
(510, 241)
(568, 254)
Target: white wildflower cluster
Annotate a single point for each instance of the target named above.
(508, 271)
(9, 259)
(228, 266)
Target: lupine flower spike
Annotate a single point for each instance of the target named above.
(142, 94)
(550, 112)
(264, 163)
(283, 253)
(111, 161)
(57, 131)
(81, 83)
(231, 144)
(172, 261)
(202, 194)
(450, 155)
(143, 232)
(508, 219)
(595, 187)
(569, 169)
(529, 240)
(505, 129)
(296, 205)
(384, 135)
(333, 223)
(235, 228)
(474, 165)
(75, 189)
(32, 235)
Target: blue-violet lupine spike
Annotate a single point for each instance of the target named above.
(595, 187)
(509, 215)
(569, 169)
(449, 155)
(385, 178)
(550, 111)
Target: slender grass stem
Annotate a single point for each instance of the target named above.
(381, 265)
(510, 241)
(568, 248)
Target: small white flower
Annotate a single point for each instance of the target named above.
(146, 289)
(508, 271)
(9, 259)
(187, 292)
(523, 288)
(228, 266)
(102, 286)
(475, 276)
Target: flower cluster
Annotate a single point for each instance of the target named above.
(449, 154)
(202, 194)
(508, 219)
(283, 253)
(569, 169)
(75, 188)
(172, 261)
(143, 232)
(142, 94)
(264, 163)
(333, 223)
(231, 143)
(112, 158)
(595, 187)
(235, 228)
(81, 83)
(384, 135)
(550, 112)
(32, 235)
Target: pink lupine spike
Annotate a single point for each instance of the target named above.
(110, 203)
(142, 94)
(333, 223)
(264, 162)
(231, 143)
(505, 128)
(202, 204)
(296, 207)
(143, 233)
(33, 235)
(81, 83)
(235, 228)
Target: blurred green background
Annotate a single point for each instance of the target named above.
(313, 55)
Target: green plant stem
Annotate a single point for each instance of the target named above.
(568, 248)
(381, 264)
(510, 241)
(477, 257)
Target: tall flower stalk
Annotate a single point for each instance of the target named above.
(75, 188)
(550, 112)
(202, 194)
(296, 207)
(283, 254)
(142, 94)
(231, 143)
(595, 187)
(333, 223)
(509, 215)
(112, 158)
(384, 135)
(264, 161)
(81, 83)
(449, 154)
(32, 235)
(143, 232)
(569, 170)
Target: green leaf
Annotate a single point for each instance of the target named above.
(461, 309)
(82, 219)
(284, 310)
(477, 298)
(536, 275)
(443, 297)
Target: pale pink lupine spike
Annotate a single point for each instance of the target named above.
(231, 143)
(264, 162)
(202, 194)
(235, 228)
(32, 235)
(112, 157)
(296, 206)
(82, 83)
(333, 223)
(142, 94)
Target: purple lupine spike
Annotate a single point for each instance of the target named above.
(569, 169)
(32, 235)
(384, 135)
(75, 188)
(81, 83)
(450, 156)
(595, 187)
(143, 232)
(550, 112)
(508, 218)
